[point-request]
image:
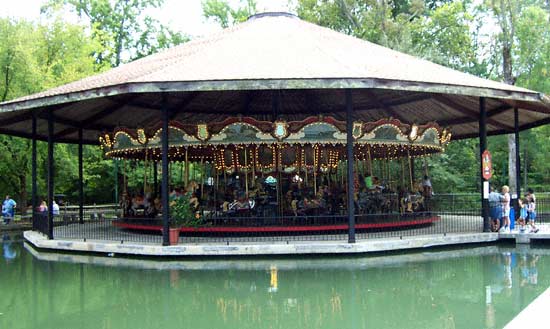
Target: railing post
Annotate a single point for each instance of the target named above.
(349, 148)
(164, 184)
(482, 148)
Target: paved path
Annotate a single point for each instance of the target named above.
(534, 316)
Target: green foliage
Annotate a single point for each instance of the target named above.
(181, 212)
(35, 56)
(222, 13)
(121, 27)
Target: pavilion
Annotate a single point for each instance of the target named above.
(270, 66)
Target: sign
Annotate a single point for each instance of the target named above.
(486, 165)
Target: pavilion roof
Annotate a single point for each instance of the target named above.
(241, 69)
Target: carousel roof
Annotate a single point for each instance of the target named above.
(274, 65)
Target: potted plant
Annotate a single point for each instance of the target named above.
(182, 215)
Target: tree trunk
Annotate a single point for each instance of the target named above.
(507, 25)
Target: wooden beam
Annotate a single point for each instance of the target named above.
(468, 119)
(27, 115)
(91, 120)
(173, 109)
(393, 113)
(247, 100)
(469, 112)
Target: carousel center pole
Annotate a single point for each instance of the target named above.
(164, 184)
(349, 147)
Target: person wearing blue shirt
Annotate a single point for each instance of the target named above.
(8, 209)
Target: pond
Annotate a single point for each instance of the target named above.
(479, 287)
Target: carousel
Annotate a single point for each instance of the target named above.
(246, 175)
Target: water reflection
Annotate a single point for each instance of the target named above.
(512, 273)
(8, 251)
(481, 287)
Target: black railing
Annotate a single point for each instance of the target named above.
(40, 223)
(445, 214)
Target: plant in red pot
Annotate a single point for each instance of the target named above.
(182, 214)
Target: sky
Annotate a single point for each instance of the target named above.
(181, 15)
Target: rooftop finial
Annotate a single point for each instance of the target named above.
(272, 8)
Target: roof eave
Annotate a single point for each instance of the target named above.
(270, 84)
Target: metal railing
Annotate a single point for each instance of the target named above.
(448, 213)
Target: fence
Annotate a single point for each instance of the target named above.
(448, 213)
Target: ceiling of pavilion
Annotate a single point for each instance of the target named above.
(274, 66)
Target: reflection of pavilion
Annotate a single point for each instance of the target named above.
(272, 69)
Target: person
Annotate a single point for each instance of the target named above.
(531, 210)
(43, 208)
(522, 203)
(8, 209)
(55, 208)
(427, 187)
(495, 209)
(505, 209)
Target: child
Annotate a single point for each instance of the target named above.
(531, 214)
(505, 209)
(522, 214)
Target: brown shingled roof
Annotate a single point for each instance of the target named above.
(234, 72)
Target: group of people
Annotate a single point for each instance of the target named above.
(43, 208)
(149, 205)
(261, 198)
(499, 206)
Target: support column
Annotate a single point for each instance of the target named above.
(155, 179)
(34, 187)
(51, 173)
(349, 148)
(518, 160)
(164, 184)
(80, 180)
(482, 148)
(116, 182)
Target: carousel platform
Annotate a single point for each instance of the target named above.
(303, 225)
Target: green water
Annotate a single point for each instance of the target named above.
(442, 289)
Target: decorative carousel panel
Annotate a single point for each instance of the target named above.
(176, 136)
(266, 157)
(319, 132)
(241, 133)
(430, 136)
(243, 158)
(123, 140)
(290, 155)
(385, 133)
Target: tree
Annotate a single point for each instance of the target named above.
(222, 13)
(121, 28)
(522, 47)
(35, 57)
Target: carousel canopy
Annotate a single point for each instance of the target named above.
(274, 65)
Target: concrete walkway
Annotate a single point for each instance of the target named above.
(260, 248)
(534, 315)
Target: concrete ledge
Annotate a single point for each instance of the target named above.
(260, 248)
